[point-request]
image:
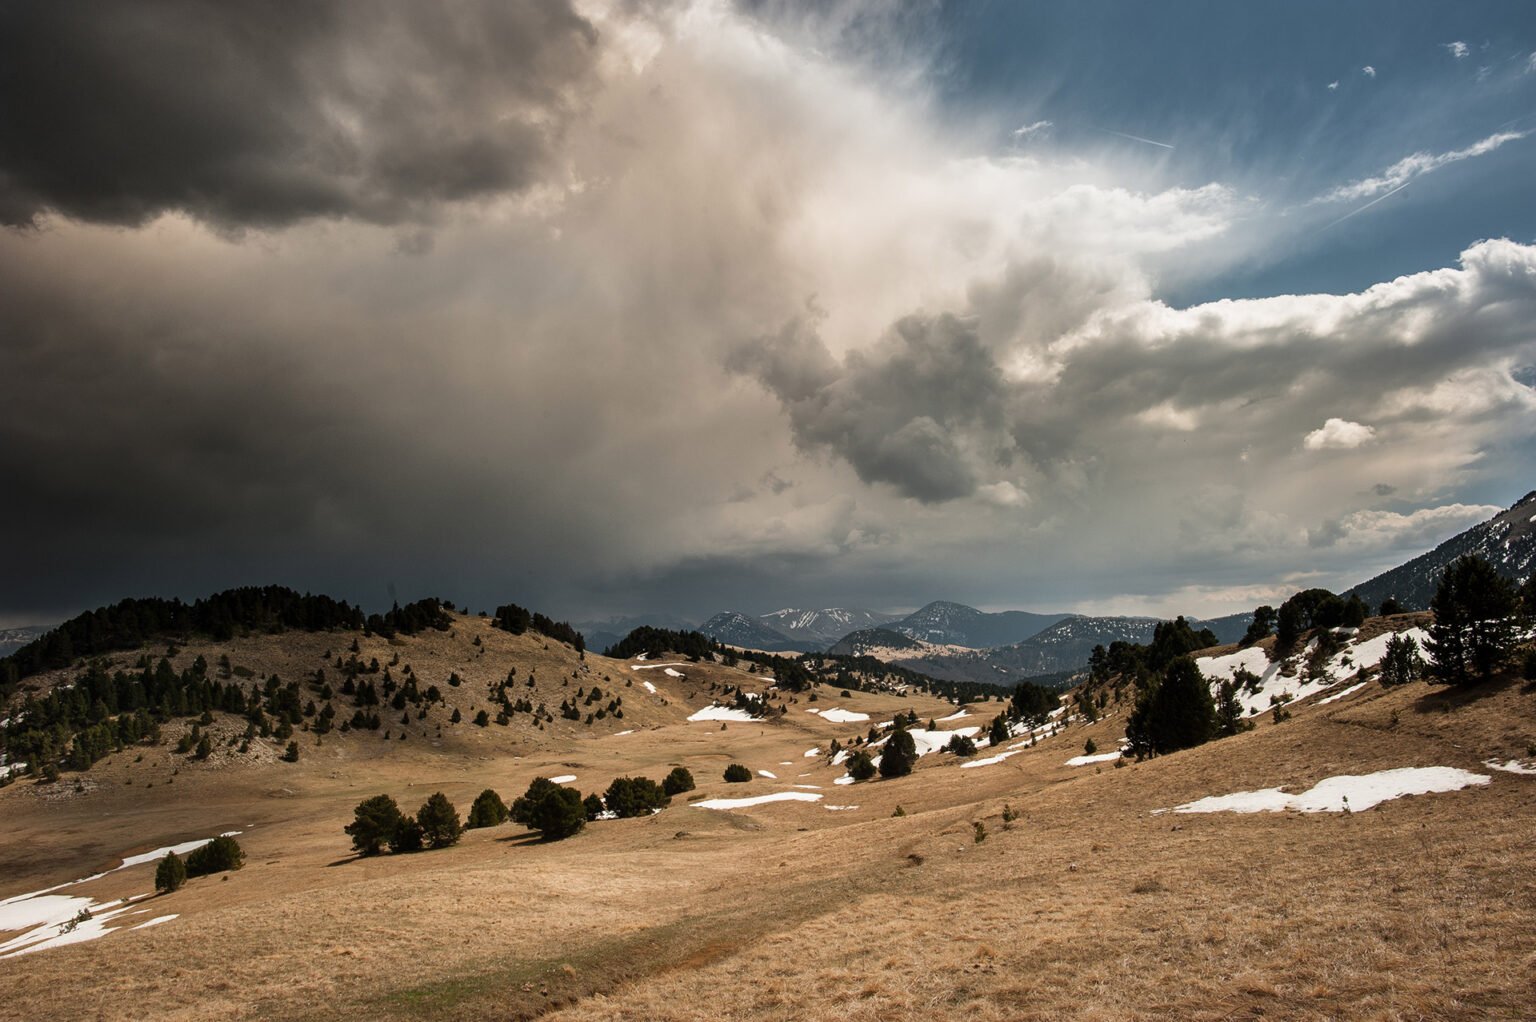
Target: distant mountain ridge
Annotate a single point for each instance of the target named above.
(1507, 541)
(954, 624)
(824, 626)
(12, 639)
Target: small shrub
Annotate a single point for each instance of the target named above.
(593, 806)
(899, 812)
(737, 774)
(220, 854)
(979, 831)
(1090, 747)
(170, 874)
(678, 781)
(962, 745)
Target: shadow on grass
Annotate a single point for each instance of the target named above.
(1451, 697)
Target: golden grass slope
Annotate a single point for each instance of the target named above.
(1088, 906)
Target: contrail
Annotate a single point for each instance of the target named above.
(1367, 206)
(1136, 138)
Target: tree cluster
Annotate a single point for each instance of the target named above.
(378, 822)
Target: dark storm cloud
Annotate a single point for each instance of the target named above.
(255, 114)
(910, 412)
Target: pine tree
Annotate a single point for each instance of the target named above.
(439, 821)
(488, 811)
(860, 766)
(170, 874)
(408, 837)
(554, 811)
(737, 774)
(1474, 629)
(375, 824)
(1229, 712)
(898, 755)
(1401, 663)
(1174, 713)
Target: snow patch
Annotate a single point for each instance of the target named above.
(810, 753)
(156, 921)
(672, 673)
(1346, 792)
(1103, 757)
(1340, 695)
(723, 713)
(839, 716)
(837, 809)
(757, 800)
(765, 773)
(563, 779)
(989, 760)
(1513, 766)
(649, 687)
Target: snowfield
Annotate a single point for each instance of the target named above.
(1347, 792)
(649, 687)
(563, 779)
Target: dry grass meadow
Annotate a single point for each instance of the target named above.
(1086, 906)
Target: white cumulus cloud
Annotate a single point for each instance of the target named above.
(1338, 434)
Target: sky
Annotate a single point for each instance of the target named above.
(627, 306)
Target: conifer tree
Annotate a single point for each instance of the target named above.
(1474, 627)
(488, 811)
(376, 821)
(678, 781)
(898, 755)
(439, 821)
(1401, 663)
(170, 874)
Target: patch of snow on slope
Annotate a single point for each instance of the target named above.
(1340, 695)
(1103, 757)
(652, 667)
(156, 921)
(722, 713)
(649, 687)
(1513, 766)
(563, 779)
(765, 773)
(809, 753)
(840, 716)
(1346, 792)
(955, 716)
(672, 672)
(990, 759)
(757, 800)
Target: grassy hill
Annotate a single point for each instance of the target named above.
(1085, 899)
